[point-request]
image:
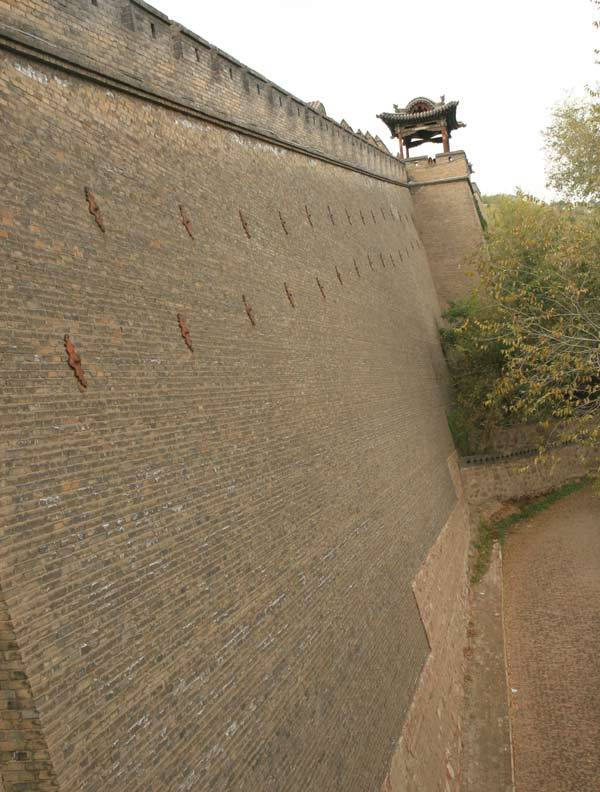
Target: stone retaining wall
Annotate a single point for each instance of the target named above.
(522, 476)
(428, 754)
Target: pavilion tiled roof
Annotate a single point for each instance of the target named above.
(407, 116)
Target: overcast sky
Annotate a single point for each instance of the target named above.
(506, 61)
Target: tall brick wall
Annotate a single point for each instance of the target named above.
(208, 554)
(448, 221)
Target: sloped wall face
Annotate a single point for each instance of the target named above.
(428, 755)
(208, 552)
(447, 220)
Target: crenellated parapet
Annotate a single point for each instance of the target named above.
(133, 46)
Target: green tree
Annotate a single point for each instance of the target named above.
(572, 143)
(526, 346)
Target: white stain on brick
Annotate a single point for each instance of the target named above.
(51, 500)
(275, 602)
(33, 74)
(231, 729)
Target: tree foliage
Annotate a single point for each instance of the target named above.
(526, 346)
(572, 148)
(572, 144)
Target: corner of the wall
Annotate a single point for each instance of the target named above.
(450, 220)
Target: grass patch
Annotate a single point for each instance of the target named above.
(491, 530)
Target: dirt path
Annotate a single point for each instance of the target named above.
(552, 622)
(486, 762)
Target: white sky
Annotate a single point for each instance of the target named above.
(506, 61)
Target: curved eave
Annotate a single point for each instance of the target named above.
(446, 111)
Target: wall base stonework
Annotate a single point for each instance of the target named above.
(526, 477)
(428, 753)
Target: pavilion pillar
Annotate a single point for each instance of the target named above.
(445, 139)
(401, 139)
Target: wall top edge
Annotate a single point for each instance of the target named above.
(133, 41)
(460, 153)
(27, 44)
(151, 10)
(179, 29)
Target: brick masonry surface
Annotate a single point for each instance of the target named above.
(138, 46)
(447, 221)
(24, 759)
(428, 755)
(210, 535)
